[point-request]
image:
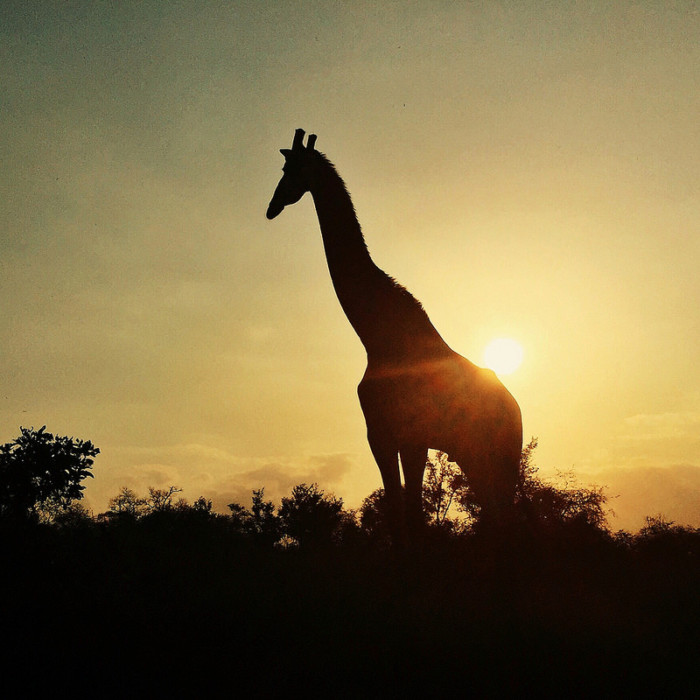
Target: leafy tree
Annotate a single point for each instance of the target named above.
(74, 514)
(569, 503)
(310, 516)
(664, 537)
(160, 500)
(264, 522)
(238, 517)
(373, 513)
(374, 517)
(657, 526)
(202, 506)
(540, 501)
(439, 489)
(348, 531)
(528, 470)
(159, 504)
(565, 502)
(42, 472)
(126, 505)
(544, 502)
(260, 522)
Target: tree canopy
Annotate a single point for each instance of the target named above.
(42, 473)
(310, 515)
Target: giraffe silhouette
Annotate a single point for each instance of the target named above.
(416, 393)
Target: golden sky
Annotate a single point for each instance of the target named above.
(527, 170)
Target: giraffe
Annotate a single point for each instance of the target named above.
(417, 393)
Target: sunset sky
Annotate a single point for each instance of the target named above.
(527, 170)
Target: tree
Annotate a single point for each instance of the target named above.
(439, 488)
(544, 502)
(310, 516)
(159, 503)
(562, 502)
(126, 505)
(41, 471)
(664, 537)
(160, 500)
(374, 516)
(260, 522)
(569, 503)
(202, 507)
(74, 516)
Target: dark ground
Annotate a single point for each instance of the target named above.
(144, 611)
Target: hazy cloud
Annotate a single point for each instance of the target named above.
(278, 478)
(662, 426)
(636, 492)
(204, 470)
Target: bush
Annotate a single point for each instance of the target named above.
(42, 474)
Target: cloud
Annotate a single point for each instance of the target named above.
(635, 492)
(215, 473)
(656, 440)
(662, 426)
(278, 478)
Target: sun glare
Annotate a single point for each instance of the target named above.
(503, 355)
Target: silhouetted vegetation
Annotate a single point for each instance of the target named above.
(163, 595)
(41, 474)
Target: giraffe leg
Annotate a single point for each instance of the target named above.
(413, 464)
(388, 462)
(494, 487)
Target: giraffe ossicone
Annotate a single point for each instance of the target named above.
(417, 393)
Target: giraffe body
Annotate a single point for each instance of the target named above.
(417, 393)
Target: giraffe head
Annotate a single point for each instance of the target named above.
(297, 173)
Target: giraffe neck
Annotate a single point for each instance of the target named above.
(391, 323)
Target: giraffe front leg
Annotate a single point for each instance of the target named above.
(387, 459)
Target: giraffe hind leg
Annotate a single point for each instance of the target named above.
(494, 486)
(413, 461)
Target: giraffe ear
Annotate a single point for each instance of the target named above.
(286, 152)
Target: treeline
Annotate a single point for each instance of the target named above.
(308, 517)
(160, 596)
(42, 475)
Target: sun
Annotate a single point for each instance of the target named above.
(503, 355)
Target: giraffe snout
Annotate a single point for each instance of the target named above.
(273, 210)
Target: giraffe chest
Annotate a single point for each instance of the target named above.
(406, 397)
